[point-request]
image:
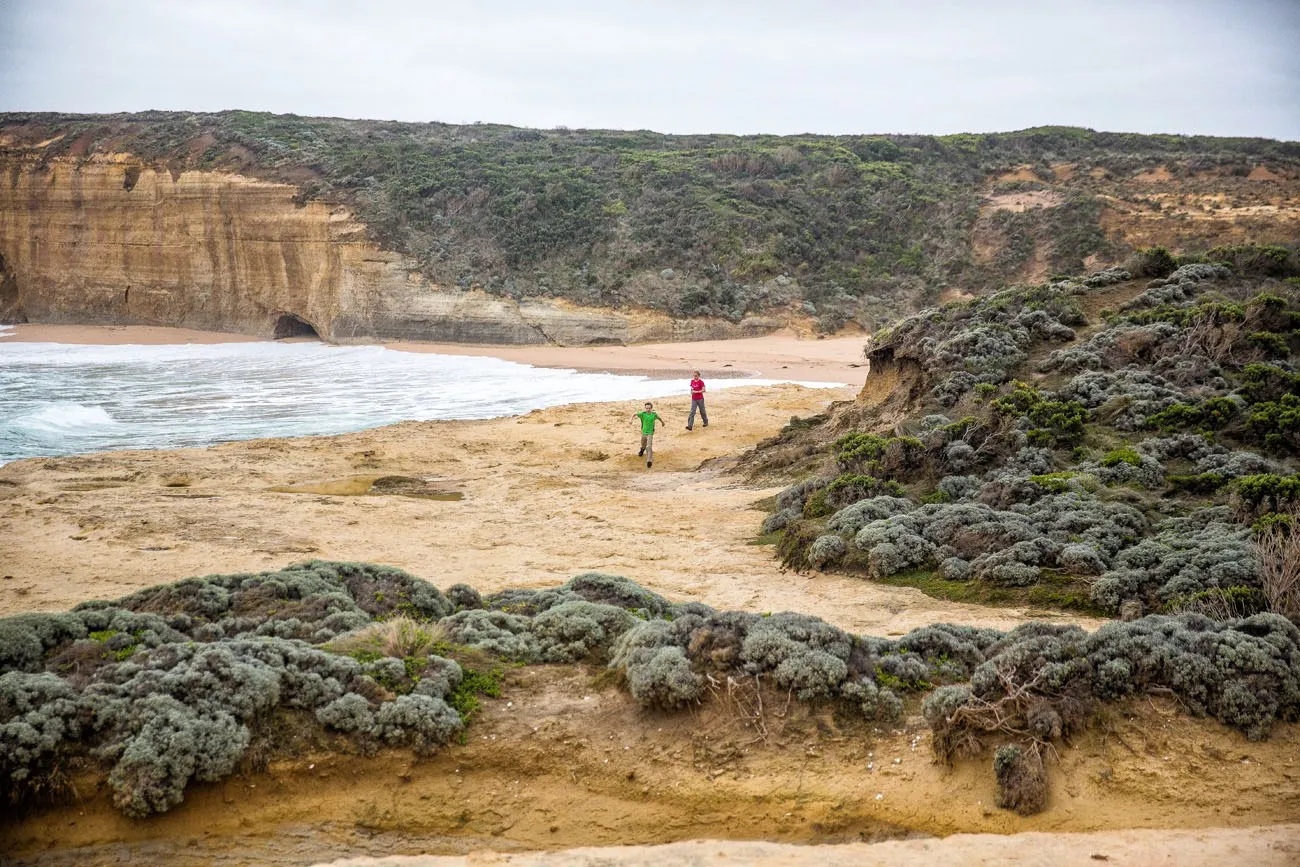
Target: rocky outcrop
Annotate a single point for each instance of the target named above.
(110, 241)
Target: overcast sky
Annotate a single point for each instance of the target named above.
(1184, 66)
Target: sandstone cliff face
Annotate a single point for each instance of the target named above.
(107, 241)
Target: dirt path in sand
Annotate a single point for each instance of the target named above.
(546, 496)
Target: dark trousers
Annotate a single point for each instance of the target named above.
(697, 403)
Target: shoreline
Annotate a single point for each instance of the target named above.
(102, 525)
(782, 355)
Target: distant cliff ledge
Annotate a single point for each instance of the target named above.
(107, 241)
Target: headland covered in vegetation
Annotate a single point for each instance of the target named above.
(828, 229)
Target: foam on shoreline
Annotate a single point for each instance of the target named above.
(66, 399)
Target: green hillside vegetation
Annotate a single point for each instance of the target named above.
(1116, 446)
(189, 682)
(837, 227)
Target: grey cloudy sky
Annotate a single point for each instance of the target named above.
(937, 66)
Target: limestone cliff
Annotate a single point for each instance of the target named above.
(106, 240)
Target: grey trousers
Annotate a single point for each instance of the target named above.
(690, 419)
(648, 446)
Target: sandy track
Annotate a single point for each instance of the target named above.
(547, 495)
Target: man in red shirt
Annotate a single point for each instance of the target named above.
(697, 402)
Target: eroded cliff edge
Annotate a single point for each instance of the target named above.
(107, 241)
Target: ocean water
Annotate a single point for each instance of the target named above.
(59, 399)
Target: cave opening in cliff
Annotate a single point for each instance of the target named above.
(289, 325)
(11, 308)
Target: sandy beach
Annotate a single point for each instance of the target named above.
(784, 355)
(530, 501)
(545, 496)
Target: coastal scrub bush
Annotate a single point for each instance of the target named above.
(348, 713)
(439, 677)
(1006, 547)
(1039, 683)
(854, 517)
(575, 630)
(418, 721)
(1150, 262)
(1267, 492)
(848, 489)
(26, 638)
(1276, 423)
(662, 678)
(39, 714)
(826, 550)
(506, 635)
(171, 745)
(781, 519)
(617, 591)
(1208, 549)
(463, 597)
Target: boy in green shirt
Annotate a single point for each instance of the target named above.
(648, 419)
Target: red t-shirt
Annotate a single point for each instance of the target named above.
(697, 389)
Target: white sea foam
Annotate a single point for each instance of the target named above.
(63, 419)
(63, 399)
(6, 331)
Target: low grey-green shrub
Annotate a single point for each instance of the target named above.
(1126, 398)
(575, 630)
(826, 551)
(617, 591)
(506, 635)
(26, 638)
(1003, 546)
(439, 677)
(348, 713)
(872, 701)
(780, 519)
(421, 722)
(170, 745)
(39, 714)
(663, 678)
(1206, 550)
(854, 517)
(463, 597)
(527, 602)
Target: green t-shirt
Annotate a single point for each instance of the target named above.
(648, 420)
